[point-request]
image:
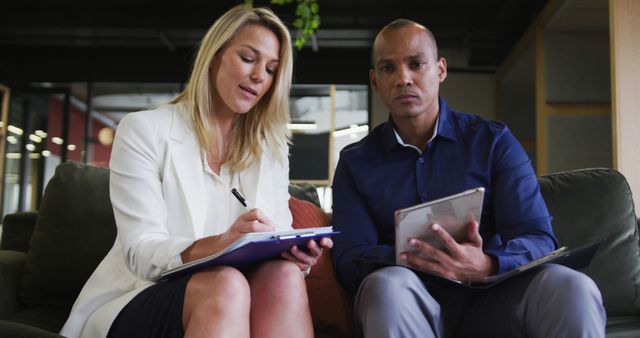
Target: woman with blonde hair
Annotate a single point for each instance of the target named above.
(172, 171)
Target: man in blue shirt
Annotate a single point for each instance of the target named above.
(427, 151)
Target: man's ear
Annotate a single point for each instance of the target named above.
(372, 79)
(442, 69)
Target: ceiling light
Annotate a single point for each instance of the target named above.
(105, 136)
(35, 138)
(15, 130)
(302, 126)
(351, 130)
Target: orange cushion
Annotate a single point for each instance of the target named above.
(331, 306)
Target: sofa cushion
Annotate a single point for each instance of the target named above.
(50, 318)
(18, 330)
(11, 269)
(591, 205)
(331, 306)
(74, 230)
(623, 327)
(16, 231)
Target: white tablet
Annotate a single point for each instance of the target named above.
(453, 213)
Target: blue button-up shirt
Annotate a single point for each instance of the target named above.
(378, 175)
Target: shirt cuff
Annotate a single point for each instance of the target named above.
(506, 262)
(177, 247)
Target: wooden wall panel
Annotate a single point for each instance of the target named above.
(625, 79)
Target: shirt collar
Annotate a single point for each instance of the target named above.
(401, 142)
(444, 128)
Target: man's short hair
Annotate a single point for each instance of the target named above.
(397, 24)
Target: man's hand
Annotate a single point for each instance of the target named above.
(462, 261)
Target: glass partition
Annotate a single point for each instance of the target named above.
(46, 124)
(109, 102)
(311, 110)
(5, 94)
(35, 134)
(324, 119)
(351, 117)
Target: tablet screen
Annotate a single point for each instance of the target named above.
(452, 213)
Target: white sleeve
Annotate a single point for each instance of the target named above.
(137, 198)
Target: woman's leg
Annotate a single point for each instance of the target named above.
(216, 304)
(156, 312)
(279, 303)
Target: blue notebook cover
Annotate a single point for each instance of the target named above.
(251, 249)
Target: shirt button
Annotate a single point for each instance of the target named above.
(421, 160)
(424, 195)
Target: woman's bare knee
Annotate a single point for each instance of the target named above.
(280, 268)
(279, 297)
(220, 289)
(223, 279)
(278, 275)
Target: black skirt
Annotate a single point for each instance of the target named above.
(154, 312)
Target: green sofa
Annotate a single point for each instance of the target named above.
(46, 257)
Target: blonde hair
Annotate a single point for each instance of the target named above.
(267, 119)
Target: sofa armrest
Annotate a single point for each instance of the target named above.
(12, 264)
(305, 192)
(17, 229)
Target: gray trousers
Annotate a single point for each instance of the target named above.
(550, 301)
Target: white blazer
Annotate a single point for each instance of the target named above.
(157, 192)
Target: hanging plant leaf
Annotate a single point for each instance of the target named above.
(307, 18)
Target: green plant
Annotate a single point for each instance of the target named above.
(307, 18)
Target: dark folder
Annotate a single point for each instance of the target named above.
(577, 258)
(251, 249)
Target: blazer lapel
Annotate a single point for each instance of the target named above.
(187, 162)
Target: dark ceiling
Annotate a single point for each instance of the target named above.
(152, 41)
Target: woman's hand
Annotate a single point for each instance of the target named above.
(251, 221)
(305, 259)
